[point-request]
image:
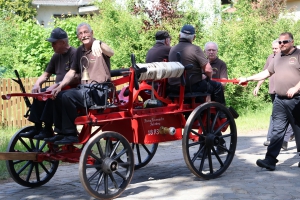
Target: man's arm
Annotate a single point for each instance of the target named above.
(256, 89)
(76, 80)
(290, 93)
(66, 81)
(257, 77)
(55, 85)
(99, 47)
(106, 49)
(207, 70)
(37, 86)
(68, 78)
(96, 49)
(259, 83)
(223, 74)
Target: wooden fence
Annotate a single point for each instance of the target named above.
(13, 110)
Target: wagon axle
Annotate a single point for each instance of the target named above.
(109, 165)
(212, 140)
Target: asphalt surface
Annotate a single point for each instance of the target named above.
(167, 177)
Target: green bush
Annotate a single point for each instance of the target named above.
(23, 47)
(244, 39)
(5, 136)
(244, 42)
(22, 8)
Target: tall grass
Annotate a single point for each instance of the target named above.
(255, 120)
(5, 135)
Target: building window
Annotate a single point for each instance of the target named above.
(64, 16)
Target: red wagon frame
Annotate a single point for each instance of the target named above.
(113, 137)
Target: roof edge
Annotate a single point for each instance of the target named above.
(80, 3)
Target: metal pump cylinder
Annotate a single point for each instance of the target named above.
(167, 130)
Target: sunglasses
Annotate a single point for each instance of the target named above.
(284, 41)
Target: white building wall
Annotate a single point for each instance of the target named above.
(294, 5)
(45, 13)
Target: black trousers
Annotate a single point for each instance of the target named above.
(65, 108)
(289, 130)
(212, 87)
(41, 111)
(285, 111)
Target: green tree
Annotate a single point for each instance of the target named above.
(22, 8)
(131, 29)
(244, 40)
(23, 46)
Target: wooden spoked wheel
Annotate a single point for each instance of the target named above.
(29, 173)
(143, 154)
(106, 165)
(209, 140)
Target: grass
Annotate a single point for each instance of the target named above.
(253, 121)
(5, 135)
(246, 123)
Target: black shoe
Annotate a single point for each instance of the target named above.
(58, 130)
(45, 133)
(54, 138)
(222, 115)
(67, 140)
(200, 155)
(292, 137)
(266, 143)
(284, 145)
(220, 150)
(30, 134)
(265, 164)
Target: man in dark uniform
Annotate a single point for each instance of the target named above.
(160, 51)
(219, 67)
(192, 54)
(60, 63)
(289, 131)
(286, 107)
(67, 102)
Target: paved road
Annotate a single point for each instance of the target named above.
(167, 177)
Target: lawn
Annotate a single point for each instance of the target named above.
(5, 135)
(253, 121)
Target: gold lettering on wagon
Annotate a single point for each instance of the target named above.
(154, 121)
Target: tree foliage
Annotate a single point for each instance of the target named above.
(244, 38)
(23, 46)
(22, 8)
(157, 13)
(269, 9)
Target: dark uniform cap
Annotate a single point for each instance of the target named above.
(161, 35)
(188, 29)
(57, 34)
